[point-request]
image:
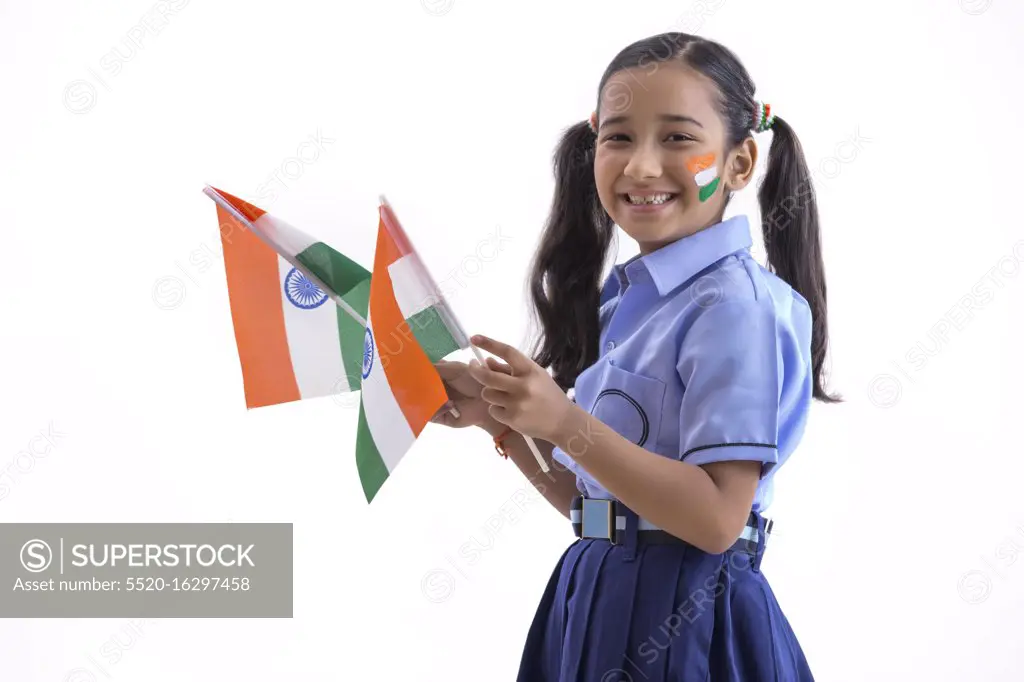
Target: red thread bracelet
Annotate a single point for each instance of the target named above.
(499, 444)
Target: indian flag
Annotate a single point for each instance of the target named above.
(409, 327)
(705, 173)
(297, 305)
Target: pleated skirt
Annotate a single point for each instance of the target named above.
(659, 613)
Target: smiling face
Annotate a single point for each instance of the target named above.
(661, 166)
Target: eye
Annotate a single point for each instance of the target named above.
(617, 137)
(681, 137)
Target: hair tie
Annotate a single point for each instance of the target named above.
(593, 122)
(764, 119)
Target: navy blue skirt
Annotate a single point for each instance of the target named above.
(654, 613)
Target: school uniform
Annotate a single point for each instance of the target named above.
(705, 357)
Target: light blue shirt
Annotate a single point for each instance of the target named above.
(705, 356)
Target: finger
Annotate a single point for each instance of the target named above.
(499, 366)
(516, 360)
(499, 413)
(443, 410)
(496, 397)
(443, 416)
(450, 408)
(449, 415)
(492, 378)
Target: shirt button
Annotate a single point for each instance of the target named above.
(610, 346)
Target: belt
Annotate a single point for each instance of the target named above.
(606, 520)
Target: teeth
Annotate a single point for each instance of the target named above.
(653, 199)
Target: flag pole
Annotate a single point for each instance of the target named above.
(226, 205)
(448, 315)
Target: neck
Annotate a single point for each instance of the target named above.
(649, 247)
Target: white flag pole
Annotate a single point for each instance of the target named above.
(529, 441)
(452, 322)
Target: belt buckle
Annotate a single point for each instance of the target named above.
(598, 519)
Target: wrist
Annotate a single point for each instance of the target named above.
(572, 429)
(493, 427)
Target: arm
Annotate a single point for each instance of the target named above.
(706, 506)
(558, 485)
(732, 367)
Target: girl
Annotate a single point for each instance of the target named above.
(693, 369)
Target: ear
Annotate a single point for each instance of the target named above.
(740, 164)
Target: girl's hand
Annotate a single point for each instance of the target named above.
(464, 394)
(520, 394)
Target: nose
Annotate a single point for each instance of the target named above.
(644, 164)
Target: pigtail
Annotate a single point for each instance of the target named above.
(565, 275)
(792, 237)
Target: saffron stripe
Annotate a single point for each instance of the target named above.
(256, 311)
(414, 381)
(252, 213)
(699, 163)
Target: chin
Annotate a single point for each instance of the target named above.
(649, 239)
(650, 229)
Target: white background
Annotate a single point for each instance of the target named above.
(899, 517)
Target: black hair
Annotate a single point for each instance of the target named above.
(565, 277)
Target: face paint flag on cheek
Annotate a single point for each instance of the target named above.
(705, 174)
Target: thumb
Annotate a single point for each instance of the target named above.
(453, 413)
(449, 371)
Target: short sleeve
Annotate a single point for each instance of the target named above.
(731, 369)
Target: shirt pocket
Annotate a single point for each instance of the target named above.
(627, 402)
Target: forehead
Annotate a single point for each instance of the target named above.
(650, 90)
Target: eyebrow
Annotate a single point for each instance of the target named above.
(671, 118)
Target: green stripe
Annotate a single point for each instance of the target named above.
(432, 334)
(352, 335)
(707, 190)
(372, 471)
(336, 270)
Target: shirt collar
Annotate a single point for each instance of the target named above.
(675, 263)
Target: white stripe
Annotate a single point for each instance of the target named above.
(411, 285)
(706, 176)
(749, 534)
(291, 240)
(313, 343)
(391, 432)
